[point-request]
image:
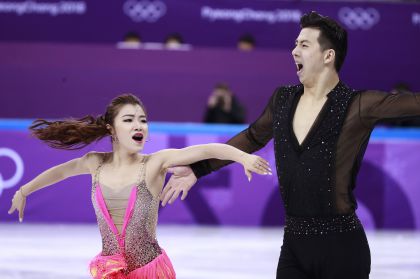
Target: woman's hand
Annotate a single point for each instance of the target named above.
(254, 163)
(18, 202)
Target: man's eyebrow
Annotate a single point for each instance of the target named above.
(302, 41)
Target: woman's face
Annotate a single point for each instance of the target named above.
(130, 128)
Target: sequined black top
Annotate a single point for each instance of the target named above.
(317, 177)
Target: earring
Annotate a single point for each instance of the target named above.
(114, 138)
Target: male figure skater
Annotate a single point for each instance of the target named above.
(321, 128)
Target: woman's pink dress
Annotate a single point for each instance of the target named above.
(134, 252)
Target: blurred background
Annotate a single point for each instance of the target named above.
(204, 69)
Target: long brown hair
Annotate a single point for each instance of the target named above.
(71, 134)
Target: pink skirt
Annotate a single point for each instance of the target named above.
(114, 267)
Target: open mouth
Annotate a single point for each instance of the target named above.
(299, 67)
(138, 137)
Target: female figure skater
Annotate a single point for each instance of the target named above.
(125, 184)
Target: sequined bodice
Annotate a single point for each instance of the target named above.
(138, 244)
(317, 178)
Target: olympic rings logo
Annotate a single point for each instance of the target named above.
(9, 183)
(359, 18)
(144, 10)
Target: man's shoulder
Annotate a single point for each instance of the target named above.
(287, 90)
(284, 93)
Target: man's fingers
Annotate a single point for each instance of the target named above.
(180, 171)
(167, 196)
(171, 170)
(165, 190)
(174, 196)
(181, 180)
(184, 195)
(171, 184)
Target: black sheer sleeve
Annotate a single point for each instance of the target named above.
(375, 106)
(255, 137)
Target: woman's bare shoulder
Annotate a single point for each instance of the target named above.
(93, 159)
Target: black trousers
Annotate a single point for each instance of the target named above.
(343, 255)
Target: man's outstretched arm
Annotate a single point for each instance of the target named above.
(375, 106)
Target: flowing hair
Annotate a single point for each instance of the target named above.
(72, 134)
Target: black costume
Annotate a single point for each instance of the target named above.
(323, 236)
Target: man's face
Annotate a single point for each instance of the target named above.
(308, 56)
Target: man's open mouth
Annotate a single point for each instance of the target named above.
(299, 66)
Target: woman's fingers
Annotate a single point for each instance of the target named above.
(248, 174)
(265, 164)
(18, 203)
(21, 210)
(261, 166)
(12, 209)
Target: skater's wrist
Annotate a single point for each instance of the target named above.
(23, 193)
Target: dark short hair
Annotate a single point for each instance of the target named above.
(247, 38)
(132, 36)
(174, 36)
(332, 35)
(222, 86)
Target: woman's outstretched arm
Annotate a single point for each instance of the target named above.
(82, 165)
(185, 156)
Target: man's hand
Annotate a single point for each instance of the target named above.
(182, 179)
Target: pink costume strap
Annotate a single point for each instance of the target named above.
(129, 210)
(128, 213)
(130, 205)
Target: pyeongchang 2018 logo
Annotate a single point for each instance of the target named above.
(247, 14)
(144, 10)
(6, 183)
(359, 18)
(56, 8)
